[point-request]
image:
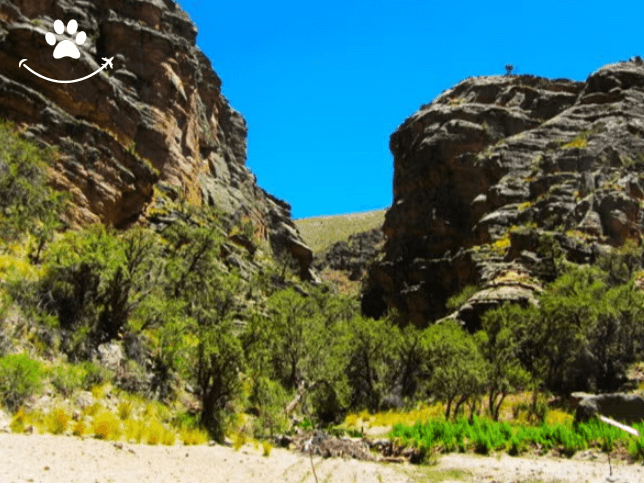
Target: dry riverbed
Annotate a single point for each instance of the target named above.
(62, 459)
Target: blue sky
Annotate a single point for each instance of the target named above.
(323, 84)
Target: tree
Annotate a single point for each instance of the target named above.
(569, 309)
(457, 368)
(208, 293)
(372, 364)
(296, 344)
(412, 369)
(219, 358)
(499, 344)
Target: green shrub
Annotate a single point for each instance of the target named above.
(27, 203)
(455, 302)
(636, 449)
(67, 378)
(20, 377)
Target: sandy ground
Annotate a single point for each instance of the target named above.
(61, 459)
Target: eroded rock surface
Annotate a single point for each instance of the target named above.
(491, 166)
(158, 118)
(354, 255)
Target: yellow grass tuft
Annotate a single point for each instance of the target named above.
(57, 420)
(99, 391)
(266, 447)
(579, 142)
(134, 430)
(239, 440)
(125, 410)
(351, 420)
(556, 416)
(155, 433)
(193, 436)
(93, 409)
(19, 422)
(169, 437)
(389, 418)
(150, 411)
(106, 426)
(80, 428)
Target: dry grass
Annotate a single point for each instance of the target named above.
(57, 421)
(512, 410)
(191, 436)
(323, 231)
(389, 418)
(106, 426)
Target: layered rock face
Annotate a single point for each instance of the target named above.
(158, 119)
(491, 166)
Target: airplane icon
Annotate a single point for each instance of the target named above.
(108, 62)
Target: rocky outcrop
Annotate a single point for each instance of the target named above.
(495, 167)
(354, 255)
(158, 119)
(627, 408)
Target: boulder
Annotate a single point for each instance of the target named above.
(626, 408)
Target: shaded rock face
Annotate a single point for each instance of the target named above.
(627, 408)
(157, 117)
(488, 167)
(354, 255)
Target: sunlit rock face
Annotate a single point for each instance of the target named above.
(157, 118)
(492, 165)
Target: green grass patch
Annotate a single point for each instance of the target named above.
(484, 436)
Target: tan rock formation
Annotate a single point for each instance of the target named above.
(158, 116)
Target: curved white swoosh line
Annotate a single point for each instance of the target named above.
(61, 81)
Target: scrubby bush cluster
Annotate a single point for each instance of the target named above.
(262, 346)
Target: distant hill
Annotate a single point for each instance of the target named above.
(323, 231)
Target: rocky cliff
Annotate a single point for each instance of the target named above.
(498, 174)
(156, 120)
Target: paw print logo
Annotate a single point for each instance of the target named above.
(66, 48)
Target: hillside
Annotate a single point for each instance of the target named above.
(320, 232)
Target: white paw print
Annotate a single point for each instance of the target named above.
(66, 48)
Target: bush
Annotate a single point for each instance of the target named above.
(20, 377)
(67, 378)
(27, 204)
